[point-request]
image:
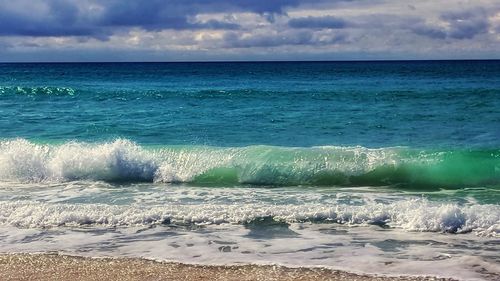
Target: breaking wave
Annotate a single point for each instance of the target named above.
(125, 161)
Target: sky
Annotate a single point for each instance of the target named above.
(218, 30)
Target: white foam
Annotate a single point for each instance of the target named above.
(184, 165)
(25, 161)
(123, 160)
(411, 215)
(359, 249)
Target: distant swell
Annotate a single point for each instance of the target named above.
(125, 161)
(37, 91)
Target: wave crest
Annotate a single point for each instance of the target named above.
(123, 160)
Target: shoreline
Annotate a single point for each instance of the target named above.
(65, 267)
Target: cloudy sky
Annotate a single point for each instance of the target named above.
(193, 30)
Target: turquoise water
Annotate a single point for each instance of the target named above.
(253, 154)
(371, 104)
(428, 125)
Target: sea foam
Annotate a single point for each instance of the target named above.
(411, 215)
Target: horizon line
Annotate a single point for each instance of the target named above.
(254, 61)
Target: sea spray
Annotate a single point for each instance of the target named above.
(125, 161)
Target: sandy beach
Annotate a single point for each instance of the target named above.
(61, 267)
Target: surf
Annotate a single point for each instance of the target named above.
(122, 160)
(411, 215)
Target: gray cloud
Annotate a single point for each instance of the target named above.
(318, 22)
(5, 45)
(466, 24)
(215, 24)
(234, 40)
(373, 21)
(460, 25)
(429, 31)
(385, 21)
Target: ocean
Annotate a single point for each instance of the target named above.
(386, 167)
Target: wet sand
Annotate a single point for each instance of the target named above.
(61, 267)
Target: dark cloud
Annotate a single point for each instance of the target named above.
(71, 18)
(215, 24)
(385, 21)
(46, 18)
(466, 24)
(429, 31)
(160, 14)
(318, 22)
(468, 29)
(460, 25)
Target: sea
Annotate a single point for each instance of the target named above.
(378, 167)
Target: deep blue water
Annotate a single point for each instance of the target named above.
(429, 104)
